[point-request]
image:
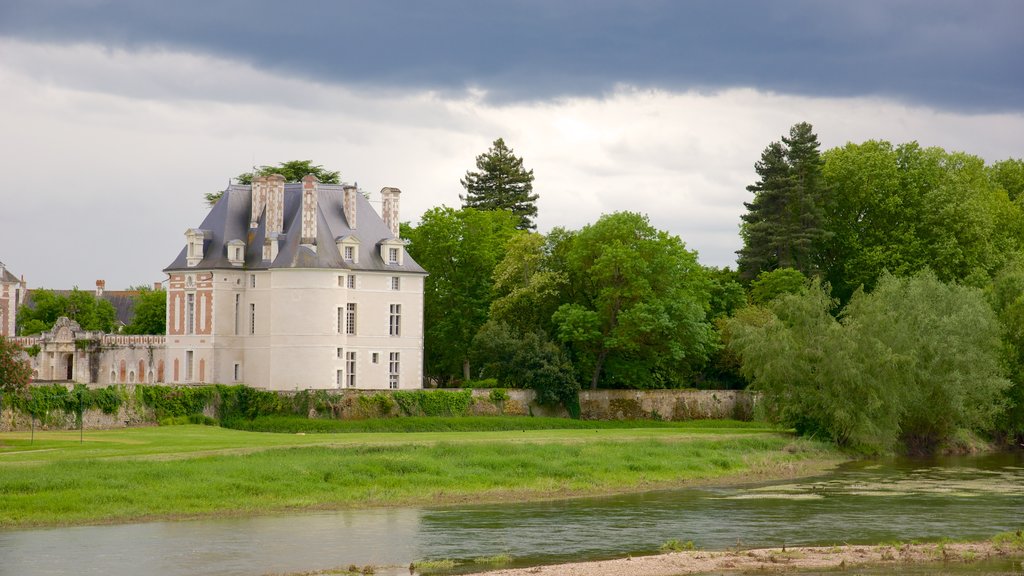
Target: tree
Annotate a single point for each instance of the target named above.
(293, 171)
(15, 371)
(636, 315)
(1010, 175)
(528, 288)
(903, 209)
(527, 360)
(769, 285)
(150, 312)
(910, 363)
(459, 248)
(82, 307)
(501, 184)
(784, 225)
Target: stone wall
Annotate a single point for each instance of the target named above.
(92, 419)
(666, 404)
(345, 404)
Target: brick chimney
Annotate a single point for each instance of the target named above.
(259, 200)
(389, 208)
(275, 203)
(349, 205)
(158, 286)
(100, 285)
(309, 209)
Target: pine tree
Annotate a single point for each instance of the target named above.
(764, 225)
(501, 184)
(784, 224)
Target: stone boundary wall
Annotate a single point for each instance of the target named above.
(594, 405)
(667, 404)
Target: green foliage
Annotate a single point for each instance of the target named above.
(293, 171)
(240, 401)
(460, 249)
(171, 401)
(377, 405)
(784, 226)
(770, 284)
(677, 546)
(33, 350)
(636, 313)
(55, 400)
(501, 184)
(150, 313)
(434, 402)
(910, 363)
(15, 372)
(904, 209)
(83, 307)
(1009, 174)
(527, 360)
(481, 383)
(727, 294)
(529, 282)
(498, 395)
(1006, 295)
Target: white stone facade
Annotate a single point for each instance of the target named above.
(279, 289)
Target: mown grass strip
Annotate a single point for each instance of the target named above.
(425, 468)
(298, 424)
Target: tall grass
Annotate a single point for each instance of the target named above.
(53, 491)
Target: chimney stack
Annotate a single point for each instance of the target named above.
(349, 205)
(259, 200)
(158, 286)
(275, 203)
(100, 285)
(389, 208)
(309, 209)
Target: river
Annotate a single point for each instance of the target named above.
(860, 503)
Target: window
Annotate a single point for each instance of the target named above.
(351, 369)
(238, 371)
(252, 280)
(190, 314)
(395, 321)
(340, 355)
(350, 318)
(375, 357)
(392, 255)
(396, 283)
(341, 281)
(350, 253)
(238, 305)
(189, 355)
(252, 319)
(339, 378)
(341, 320)
(394, 366)
(352, 281)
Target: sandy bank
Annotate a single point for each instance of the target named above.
(773, 560)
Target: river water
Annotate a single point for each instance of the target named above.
(860, 503)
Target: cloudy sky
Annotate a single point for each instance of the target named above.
(116, 117)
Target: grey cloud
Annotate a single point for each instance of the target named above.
(946, 54)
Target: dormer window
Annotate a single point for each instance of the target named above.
(348, 247)
(194, 239)
(392, 251)
(236, 252)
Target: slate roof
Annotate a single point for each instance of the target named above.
(229, 220)
(123, 302)
(8, 277)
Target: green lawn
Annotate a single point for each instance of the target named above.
(189, 471)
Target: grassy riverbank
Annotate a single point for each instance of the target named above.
(194, 471)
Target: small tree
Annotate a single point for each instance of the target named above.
(150, 313)
(501, 184)
(15, 371)
(293, 171)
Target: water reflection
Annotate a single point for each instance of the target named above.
(861, 503)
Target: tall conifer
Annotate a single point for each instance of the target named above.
(501, 184)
